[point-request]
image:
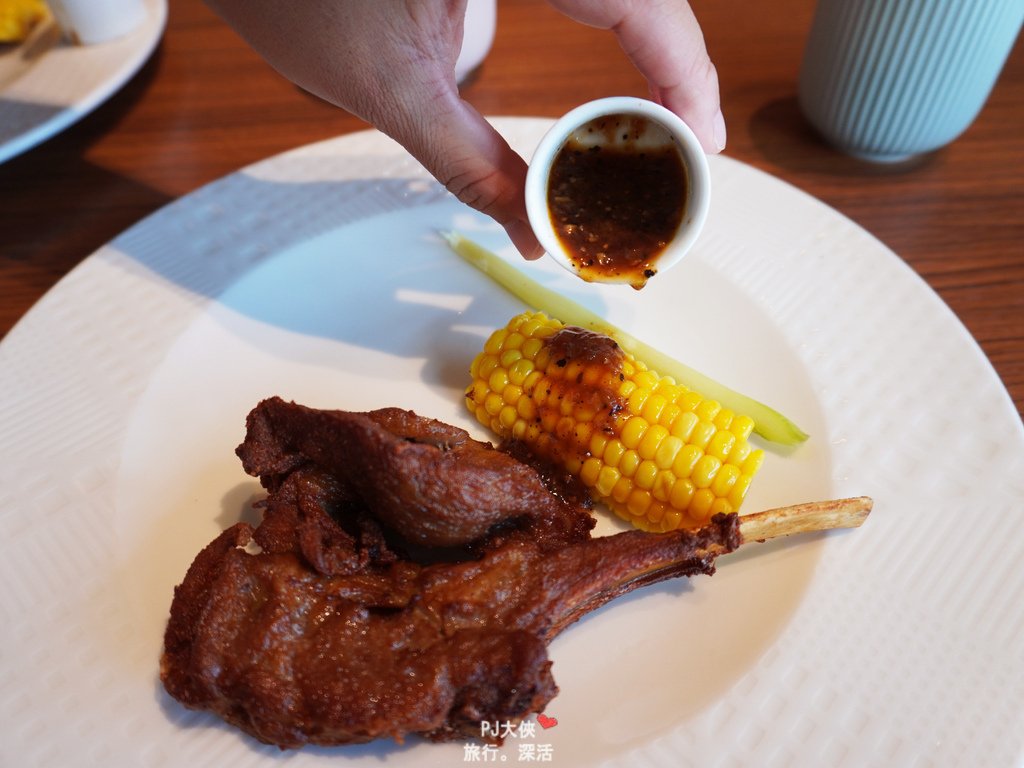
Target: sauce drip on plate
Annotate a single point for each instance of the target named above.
(617, 193)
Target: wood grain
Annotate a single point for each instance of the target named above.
(205, 105)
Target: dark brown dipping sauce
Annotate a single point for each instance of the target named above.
(615, 206)
(584, 373)
(582, 346)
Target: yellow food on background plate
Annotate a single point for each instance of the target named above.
(659, 454)
(19, 17)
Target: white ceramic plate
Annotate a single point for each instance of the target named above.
(318, 275)
(68, 82)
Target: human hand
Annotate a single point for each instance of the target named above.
(392, 62)
(664, 41)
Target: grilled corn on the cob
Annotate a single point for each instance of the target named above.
(658, 454)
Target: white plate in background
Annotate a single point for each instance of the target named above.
(69, 81)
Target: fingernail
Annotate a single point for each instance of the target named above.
(718, 125)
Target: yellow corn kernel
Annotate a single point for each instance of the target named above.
(638, 521)
(725, 479)
(599, 444)
(668, 389)
(543, 360)
(638, 502)
(723, 419)
(637, 399)
(739, 490)
(519, 370)
(684, 425)
(525, 325)
(622, 489)
(707, 410)
(682, 493)
(700, 505)
(507, 359)
(666, 452)
(477, 392)
(742, 426)
(704, 470)
(532, 380)
(495, 342)
(644, 378)
(613, 452)
(672, 520)
(589, 471)
(669, 414)
(511, 394)
(702, 434)
(655, 514)
(686, 460)
(526, 409)
(721, 443)
(493, 404)
(633, 432)
(653, 407)
(651, 441)
(752, 463)
(662, 486)
(474, 367)
(531, 347)
(507, 417)
(606, 480)
(739, 452)
(645, 474)
(659, 455)
(487, 365)
(629, 462)
(690, 400)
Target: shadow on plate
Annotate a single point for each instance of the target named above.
(360, 262)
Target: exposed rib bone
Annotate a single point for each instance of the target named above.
(803, 518)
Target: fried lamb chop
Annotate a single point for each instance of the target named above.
(331, 634)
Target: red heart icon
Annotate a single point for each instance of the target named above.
(546, 722)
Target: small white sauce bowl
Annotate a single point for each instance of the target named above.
(690, 151)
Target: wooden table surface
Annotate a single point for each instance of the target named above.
(205, 105)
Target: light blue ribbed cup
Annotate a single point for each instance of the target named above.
(885, 80)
